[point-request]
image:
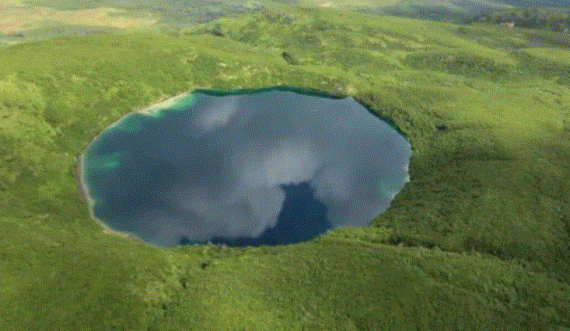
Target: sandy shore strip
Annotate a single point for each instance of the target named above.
(79, 178)
(162, 103)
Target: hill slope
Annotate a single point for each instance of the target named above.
(478, 240)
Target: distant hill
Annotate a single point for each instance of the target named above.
(171, 11)
(183, 12)
(462, 10)
(557, 20)
(539, 3)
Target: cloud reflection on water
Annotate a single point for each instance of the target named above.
(218, 169)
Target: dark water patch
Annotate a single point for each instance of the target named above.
(243, 168)
(302, 217)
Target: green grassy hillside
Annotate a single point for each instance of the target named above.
(478, 240)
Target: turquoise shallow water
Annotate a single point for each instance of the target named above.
(244, 168)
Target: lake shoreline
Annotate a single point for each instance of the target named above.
(86, 196)
(164, 102)
(289, 149)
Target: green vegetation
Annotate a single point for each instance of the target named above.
(478, 240)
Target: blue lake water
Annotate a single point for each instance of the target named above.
(243, 168)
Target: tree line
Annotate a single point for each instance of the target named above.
(546, 19)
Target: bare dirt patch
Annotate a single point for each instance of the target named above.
(10, 4)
